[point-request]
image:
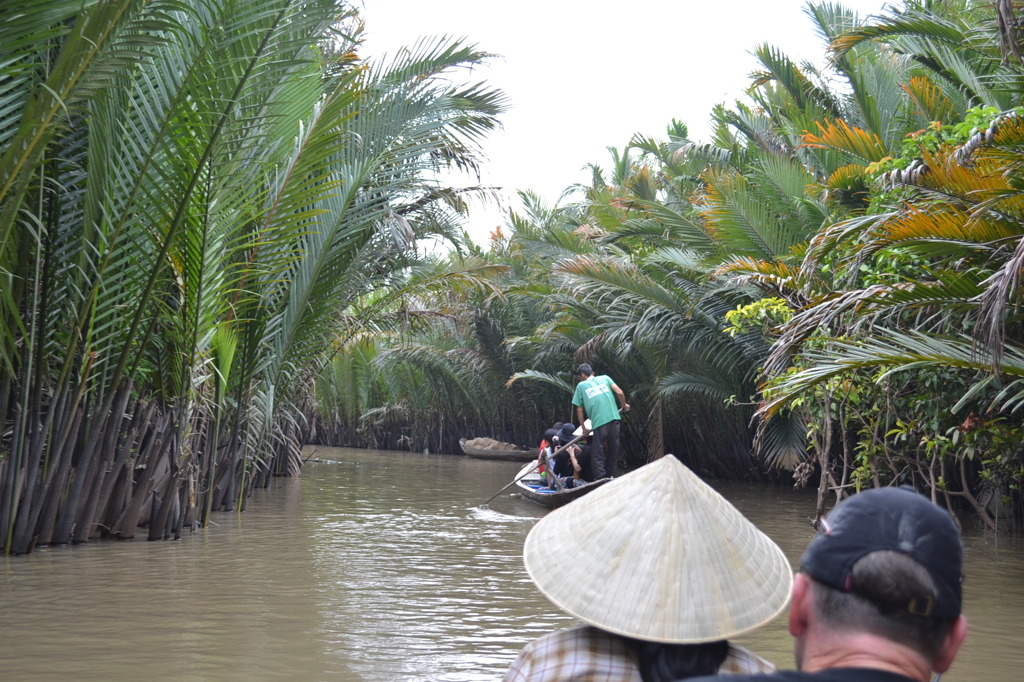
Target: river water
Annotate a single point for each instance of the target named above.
(374, 566)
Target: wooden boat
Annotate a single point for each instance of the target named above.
(530, 487)
(505, 452)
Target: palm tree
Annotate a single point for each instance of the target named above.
(189, 193)
(926, 281)
(947, 300)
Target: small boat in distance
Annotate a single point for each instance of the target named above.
(530, 486)
(488, 448)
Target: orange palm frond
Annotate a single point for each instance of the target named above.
(1002, 141)
(849, 177)
(716, 188)
(943, 222)
(957, 179)
(1000, 145)
(856, 143)
(1010, 131)
(768, 275)
(931, 101)
(757, 267)
(988, 183)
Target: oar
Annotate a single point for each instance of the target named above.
(535, 465)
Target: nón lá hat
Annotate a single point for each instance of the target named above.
(583, 428)
(659, 555)
(897, 520)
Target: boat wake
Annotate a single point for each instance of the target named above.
(491, 516)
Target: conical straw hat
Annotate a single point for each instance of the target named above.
(658, 555)
(581, 427)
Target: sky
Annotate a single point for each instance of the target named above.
(582, 76)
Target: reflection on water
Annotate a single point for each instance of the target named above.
(373, 566)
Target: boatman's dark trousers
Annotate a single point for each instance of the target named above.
(604, 449)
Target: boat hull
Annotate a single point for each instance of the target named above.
(504, 455)
(530, 487)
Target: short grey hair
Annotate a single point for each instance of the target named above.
(886, 582)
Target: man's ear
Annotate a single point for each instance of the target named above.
(952, 645)
(800, 605)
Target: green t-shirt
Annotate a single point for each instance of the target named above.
(596, 396)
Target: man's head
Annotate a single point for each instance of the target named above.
(585, 370)
(888, 563)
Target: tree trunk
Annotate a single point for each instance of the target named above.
(824, 457)
(656, 430)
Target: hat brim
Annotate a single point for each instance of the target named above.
(659, 555)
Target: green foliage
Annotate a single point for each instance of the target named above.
(763, 315)
(193, 195)
(935, 137)
(854, 231)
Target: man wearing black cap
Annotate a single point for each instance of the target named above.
(877, 598)
(600, 398)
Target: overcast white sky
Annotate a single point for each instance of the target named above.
(585, 75)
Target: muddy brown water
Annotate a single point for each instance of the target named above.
(374, 566)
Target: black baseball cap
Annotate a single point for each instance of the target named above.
(897, 520)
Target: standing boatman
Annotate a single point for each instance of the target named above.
(597, 396)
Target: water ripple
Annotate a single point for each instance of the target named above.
(376, 566)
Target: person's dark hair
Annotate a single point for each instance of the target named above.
(666, 662)
(550, 434)
(883, 583)
(585, 369)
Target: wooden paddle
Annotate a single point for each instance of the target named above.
(536, 463)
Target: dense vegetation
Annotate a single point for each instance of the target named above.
(193, 195)
(209, 214)
(828, 289)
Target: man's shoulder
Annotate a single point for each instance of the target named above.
(829, 675)
(780, 675)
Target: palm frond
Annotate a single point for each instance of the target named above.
(782, 440)
(887, 352)
(857, 144)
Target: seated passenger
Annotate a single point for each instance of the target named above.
(547, 446)
(549, 436)
(572, 464)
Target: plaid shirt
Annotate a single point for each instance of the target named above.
(587, 653)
